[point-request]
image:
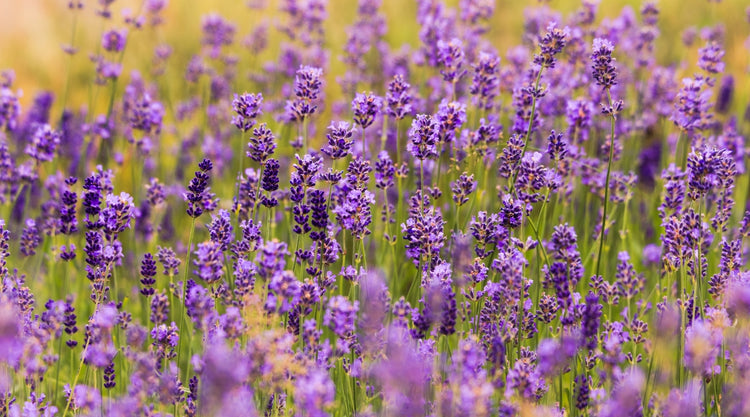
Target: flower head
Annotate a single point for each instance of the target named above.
(602, 63)
(114, 40)
(43, 144)
(398, 98)
(451, 56)
(365, 107)
(209, 259)
(551, 44)
(247, 108)
(423, 137)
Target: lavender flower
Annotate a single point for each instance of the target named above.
(354, 213)
(341, 315)
(262, 144)
(316, 392)
(198, 189)
(725, 95)
(118, 213)
(43, 144)
(704, 171)
(424, 235)
(284, 292)
(709, 58)
(365, 107)
(270, 181)
(209, 259)
(217, 32)
(220, 229)
(450, 116)
(384, 171)
(307, 85)
(602, 63)
(247, 108)
(590, 321)
(30, 238)
(626, 396)
(339, 140)
(10, 107)
(692, 106)
(146, 115)
(551, 44)
(114, 40)
(485, 84)
(702, 347)
(169, 261)
(11, 334)
(165, 339)
(270, 258)
(451, 55)
(398, 98)
(462, 188)
(159, 308)
(423, 137)
(67, 208)
(86, 399)
(148, 271)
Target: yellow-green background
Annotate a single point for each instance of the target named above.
(32, 31)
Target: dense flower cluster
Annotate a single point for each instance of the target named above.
(439, 228)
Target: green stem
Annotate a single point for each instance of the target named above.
(606, 189)
(257, 193)
(528, 131)
(183, 295)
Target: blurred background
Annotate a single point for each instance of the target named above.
(33, 33)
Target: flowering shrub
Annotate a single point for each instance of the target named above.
(547, 230)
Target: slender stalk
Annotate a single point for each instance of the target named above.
(606, 188)
(57, 366)
(239, 175)
(364, 144)
(528, 131)
(183, 312)
(421, 187)
(257, 193)
(187, 258)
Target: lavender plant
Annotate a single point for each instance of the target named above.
(439, 228)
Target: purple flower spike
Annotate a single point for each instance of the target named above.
(307, 85)
(315, 392)
(423, 137)
(590, 321)
(551, 44)
(602, 63)
(451, 55)
(398, 98)
(709, 58)
(209, 260)
(148, 271)
(485, 85)
(341, 315)
(284, 292)
(247, 109)
(262, 144)
(43, 144)
(462, 188)
(365, 107)
(114, 40)
(339, 140)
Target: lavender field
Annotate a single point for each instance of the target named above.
(375, 208)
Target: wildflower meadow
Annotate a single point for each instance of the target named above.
(389, 208)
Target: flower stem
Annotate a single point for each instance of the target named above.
(606, 188)
(528, 130)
